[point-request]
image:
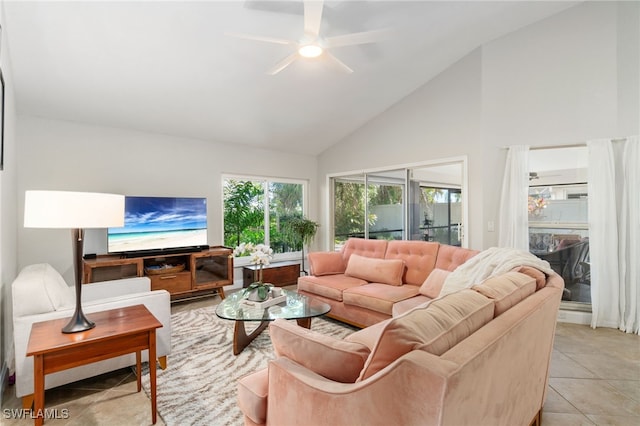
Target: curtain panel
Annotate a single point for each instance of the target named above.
(513, 230)
(614, 232)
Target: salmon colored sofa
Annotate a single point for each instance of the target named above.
(477, 356)
(383, 278)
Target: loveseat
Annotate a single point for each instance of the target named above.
(474, 356)
(41, 294)
(367, 279)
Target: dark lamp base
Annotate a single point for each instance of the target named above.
(78, 323)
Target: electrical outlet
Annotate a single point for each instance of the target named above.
(490, 226)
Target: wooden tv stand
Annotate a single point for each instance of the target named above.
(181, 274)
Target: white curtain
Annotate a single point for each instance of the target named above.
(513, 228)
(614, 232)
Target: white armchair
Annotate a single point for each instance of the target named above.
(40, 294)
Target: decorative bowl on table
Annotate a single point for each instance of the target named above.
(164, 269)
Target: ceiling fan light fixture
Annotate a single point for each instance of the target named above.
(310, 51)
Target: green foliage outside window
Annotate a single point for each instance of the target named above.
(349, 208)
(244, 213)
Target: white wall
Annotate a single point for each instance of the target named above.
(8, 220)
(558, 81)
(70, 156)
(439, 120)
(628, 63)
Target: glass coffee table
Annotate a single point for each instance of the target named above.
(296, 307)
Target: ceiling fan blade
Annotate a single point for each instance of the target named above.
(283, 64)
(358, 38)
(259, 38)
(312, 17)
(338, 62)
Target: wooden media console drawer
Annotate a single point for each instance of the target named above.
(279, 274)
(174, 283)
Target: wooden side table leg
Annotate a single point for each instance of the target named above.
(152, 374)
(27, 402)
(163, 362)
(304, 322)
(221, 293)
(38, 389)
(139, 369)
(240, 338)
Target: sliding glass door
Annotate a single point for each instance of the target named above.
(413, 203)
(441, 215)
(369, 206)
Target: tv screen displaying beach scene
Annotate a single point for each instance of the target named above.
(155, 223)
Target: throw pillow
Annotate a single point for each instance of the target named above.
(434, 282)
(337, 360)
(540, 277)
(385, 271)
(39, 289)
(326, 263)
(435, 328)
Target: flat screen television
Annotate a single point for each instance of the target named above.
(160, 223)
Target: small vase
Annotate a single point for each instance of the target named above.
(254, 296)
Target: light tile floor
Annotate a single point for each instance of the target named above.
(595, 380)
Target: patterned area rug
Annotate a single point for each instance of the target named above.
(199, 385)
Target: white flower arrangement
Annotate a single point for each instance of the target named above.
(261, 254)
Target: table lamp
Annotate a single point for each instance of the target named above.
(76, 211)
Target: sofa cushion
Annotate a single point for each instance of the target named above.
(369, 248)
(336, 359)
(435, 328)
(378, 297)
(326, 263)
(44, 288)
(406, 305)
(329, 286)
(450, 257)
(419, 258)
(375, 270)
(253, 391)
(368, 336)
(434, 282)
(507, 290)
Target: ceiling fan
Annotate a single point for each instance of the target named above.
(312, 44)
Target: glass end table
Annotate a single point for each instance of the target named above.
(296, 307)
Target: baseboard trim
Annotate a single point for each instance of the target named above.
(574, 317)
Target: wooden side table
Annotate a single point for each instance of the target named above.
(117, 332)
(279, 274)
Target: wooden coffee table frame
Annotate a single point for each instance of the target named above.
(301, 308)
(117, 332)
(241, 339)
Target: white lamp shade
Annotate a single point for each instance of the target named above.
(63, 209)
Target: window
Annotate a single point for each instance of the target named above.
(558, 225)
(256, 210)
(441, 212)
(369, 206)
(419, 203)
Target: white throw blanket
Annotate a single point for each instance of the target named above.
(488, 263)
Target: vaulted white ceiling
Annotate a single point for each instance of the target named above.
(167, 66)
